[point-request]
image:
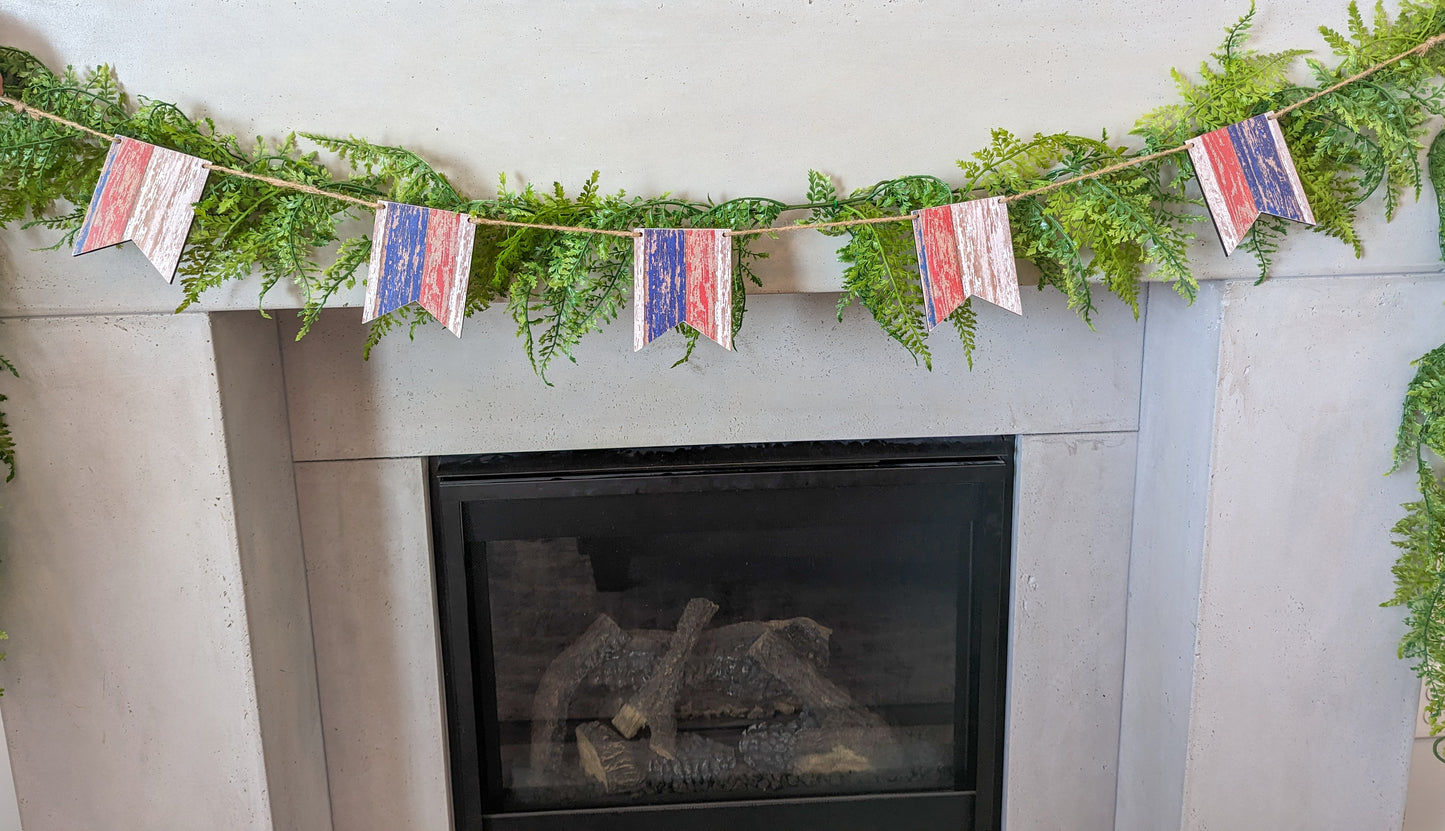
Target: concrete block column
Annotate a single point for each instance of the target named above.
(142, 581)
(1261, 685)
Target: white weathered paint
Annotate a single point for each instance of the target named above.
(163, 214)
(986, 246)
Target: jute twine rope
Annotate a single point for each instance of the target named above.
(25, 109)
(282, 183)
(1424, 47)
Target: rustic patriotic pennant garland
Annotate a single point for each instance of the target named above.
(1246, 170)
(682, 275)
(146, 195)
(966, 250)
(419, 255)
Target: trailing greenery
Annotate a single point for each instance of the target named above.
(1364, 141)
(1420, 535)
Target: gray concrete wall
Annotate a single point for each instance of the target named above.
(798, 374)
(1066, 667)
(368, 564)
(258, 452)
(1261, 687)
(1176, 428)
(130, 700)
(1302, 716)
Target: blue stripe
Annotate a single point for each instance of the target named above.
(404, 258)
(95, 198)
(923, 272)
(666, 270)
(1264, 168)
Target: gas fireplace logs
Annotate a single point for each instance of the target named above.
(656, 703)
(760, 682)
(560, 682)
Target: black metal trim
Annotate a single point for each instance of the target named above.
(983, 626)
(951, 810)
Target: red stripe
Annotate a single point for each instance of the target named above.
(117, 201)
(945, 272)
(700, 257)
(1230, 177)
(440, 262)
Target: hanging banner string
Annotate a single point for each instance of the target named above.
(25, 109)
(1385, 64)
(283, 183)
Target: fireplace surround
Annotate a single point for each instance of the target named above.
(851, 670)
(1185, 471)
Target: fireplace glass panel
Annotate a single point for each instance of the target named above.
(672, 634)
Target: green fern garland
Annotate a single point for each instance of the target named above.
(1113, 231)
(1420, 535)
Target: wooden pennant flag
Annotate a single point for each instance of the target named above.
(682, 275)
(966, 250)
(1245, 170)
(419, 255)
(146, 195)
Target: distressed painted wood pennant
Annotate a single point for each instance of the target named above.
(423, 256)
(1246, 170)
(146, 195)
(966, 250)
(682, 275)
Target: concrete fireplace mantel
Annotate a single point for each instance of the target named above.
(216, 575)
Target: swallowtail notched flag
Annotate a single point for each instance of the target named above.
(682, 275)
(965, 250)
(146, 195)
(419, 255)
(1245, 170)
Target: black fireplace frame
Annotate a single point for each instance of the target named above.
(983, 613)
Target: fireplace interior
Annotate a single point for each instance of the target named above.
(804, 635)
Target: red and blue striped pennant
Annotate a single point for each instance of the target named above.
(423, 256)
(682, 275)
(1246, 170)
(146, 195)
(966, 250)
